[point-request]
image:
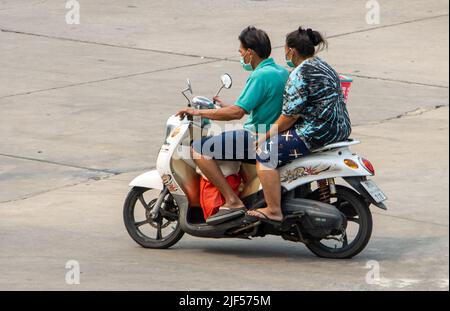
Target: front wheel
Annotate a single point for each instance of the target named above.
(357, 233)
(162, 231)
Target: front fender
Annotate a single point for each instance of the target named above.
(149, 180)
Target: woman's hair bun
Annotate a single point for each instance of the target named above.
(312, 37)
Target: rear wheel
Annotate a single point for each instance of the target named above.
(357, 233)
(162, 231)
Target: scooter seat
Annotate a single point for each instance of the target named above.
(337, 145)
(227, 167)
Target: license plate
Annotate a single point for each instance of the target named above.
(374, 191)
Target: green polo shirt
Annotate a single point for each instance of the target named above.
(262, 97)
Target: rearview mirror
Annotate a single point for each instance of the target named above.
(189, 89)
(227, 82)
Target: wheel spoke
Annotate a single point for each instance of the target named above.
(159, 232)
(141, 223)
(353, 219)
(141, 199)
(345, 242)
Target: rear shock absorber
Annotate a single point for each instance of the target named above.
(332, 184)
(324, 191)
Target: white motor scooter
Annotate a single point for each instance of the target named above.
(333, 221)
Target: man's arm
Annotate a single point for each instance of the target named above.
(223, 114)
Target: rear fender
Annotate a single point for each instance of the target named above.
(355, 182)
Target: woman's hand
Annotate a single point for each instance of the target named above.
(260, 141)
(187, 112)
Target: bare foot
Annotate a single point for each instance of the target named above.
(276, 216)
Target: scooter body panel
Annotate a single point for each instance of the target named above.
(166, 156)
(319, 166)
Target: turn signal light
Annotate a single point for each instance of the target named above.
(352, 164)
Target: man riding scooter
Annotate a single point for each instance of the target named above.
(261, 99)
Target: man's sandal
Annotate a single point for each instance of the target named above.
(225, 214)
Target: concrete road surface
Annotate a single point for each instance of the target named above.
(83, 108)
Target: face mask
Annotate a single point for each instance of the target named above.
(289, 62)
(247, 67)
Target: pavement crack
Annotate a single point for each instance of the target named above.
(6, 30)
(398, 80)
(105, 171)
(344, 34)
(417, 20)
(412, 113)
(91, 179)
(32, 195)
(18, 32)
(210, 58)
(107, 79)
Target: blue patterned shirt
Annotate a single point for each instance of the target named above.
(314, 93)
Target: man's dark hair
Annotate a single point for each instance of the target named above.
(256, 40)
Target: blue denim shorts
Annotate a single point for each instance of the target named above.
(228, 146)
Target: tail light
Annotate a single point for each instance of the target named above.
(368, 166)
